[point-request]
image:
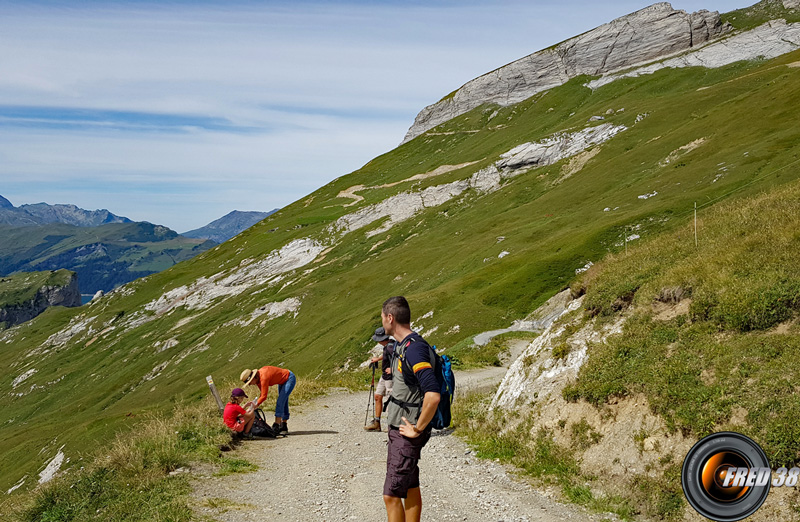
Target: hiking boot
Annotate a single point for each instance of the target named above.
(375, 425)
(284, 429)
(276, 427)
(247, 436)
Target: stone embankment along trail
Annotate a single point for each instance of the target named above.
(650, 34)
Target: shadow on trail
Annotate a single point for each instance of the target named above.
(312, 432)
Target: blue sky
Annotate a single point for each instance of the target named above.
(179, 112)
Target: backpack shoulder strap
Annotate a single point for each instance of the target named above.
(415, 338)
(400, 347)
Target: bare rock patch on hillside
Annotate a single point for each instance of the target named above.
(271, 310)
(557, 147)
(438, 171)
(681, 151)
(248, 274)
(519, 159)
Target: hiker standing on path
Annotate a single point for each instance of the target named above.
(385, 383)
(412, 405)
(273, 376)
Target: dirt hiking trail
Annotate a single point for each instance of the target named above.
(330, 469)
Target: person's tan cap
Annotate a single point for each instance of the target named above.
(248, 376)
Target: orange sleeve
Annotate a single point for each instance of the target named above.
(263, 385)
(262, 397)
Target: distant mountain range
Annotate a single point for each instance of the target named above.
(43, 214)
(104, 249)
(228, 226)
(104, 256)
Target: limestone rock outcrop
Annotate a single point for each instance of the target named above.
(557, 147)
(766, 41)
(652, 33)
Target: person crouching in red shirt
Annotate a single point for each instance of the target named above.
(238, 419)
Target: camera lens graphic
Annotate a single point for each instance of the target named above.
(714, 472)
(709, 463)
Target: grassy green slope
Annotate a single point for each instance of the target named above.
(757, 14)
(445, 259)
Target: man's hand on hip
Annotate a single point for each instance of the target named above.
(408, 430)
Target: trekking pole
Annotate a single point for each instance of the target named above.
(371, 398)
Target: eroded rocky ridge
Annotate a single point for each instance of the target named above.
(646, 35)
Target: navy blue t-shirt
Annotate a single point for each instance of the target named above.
(388, 355)
(418, 368)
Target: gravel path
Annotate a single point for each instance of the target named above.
(330, 469)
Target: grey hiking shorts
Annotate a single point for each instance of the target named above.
(402, 462)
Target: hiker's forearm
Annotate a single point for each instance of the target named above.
(429, 404)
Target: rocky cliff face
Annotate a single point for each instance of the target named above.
(646, 35)
(61, 295)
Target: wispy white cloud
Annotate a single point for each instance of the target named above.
(178, 113)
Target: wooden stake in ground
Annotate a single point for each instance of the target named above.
(215, 393)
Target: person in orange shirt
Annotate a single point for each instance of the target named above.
(268, 376)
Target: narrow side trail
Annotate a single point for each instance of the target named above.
(330, 469)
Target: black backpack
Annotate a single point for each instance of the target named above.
(260, 427)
